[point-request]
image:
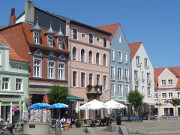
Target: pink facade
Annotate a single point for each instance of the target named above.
(88, 62)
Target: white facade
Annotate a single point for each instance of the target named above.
(143, 75)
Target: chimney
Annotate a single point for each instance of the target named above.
(12, 19)
(29, 12)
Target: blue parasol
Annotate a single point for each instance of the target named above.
(37, 106)
(58, 105)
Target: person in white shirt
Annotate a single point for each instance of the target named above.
(63, 120)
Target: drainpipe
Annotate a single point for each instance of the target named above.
(70, 57)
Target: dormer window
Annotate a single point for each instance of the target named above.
(60, 43)
(36, 37)
(50, 40)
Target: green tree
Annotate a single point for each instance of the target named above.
(57, 94)
(136, 99)
(175, 102)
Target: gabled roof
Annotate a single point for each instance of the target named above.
(174, 70)
(134, 48)
(111, 28)
(12, 54)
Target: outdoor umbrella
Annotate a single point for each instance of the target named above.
(93, 105)
(37, 106)
(58, 106)
(114, 105)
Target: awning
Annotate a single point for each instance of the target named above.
(73, 98)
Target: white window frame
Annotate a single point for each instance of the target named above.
(138, 61)
(76, 78)
(162, 95)
(61, 69)
(40, 67)
(145, 62)
(113, 55)
(99, 59)
(113, 90)
(127, 74)
(120, 90)
(155, 95)
(148, 91)
(170, 97)
(119, 56)
(84, 56)
(178, 94)
(169, 81)
(6, 82)
(92, 79)
(91, 57)
(84, 80)
(92, 38)
(104, 64)
(112, 76)
(21, 89)
(120, 39)
(127, 89)
(105, 86)
(36, 37)
(76, 33)
(163, 82)
(126, 58)
(60, 42)
(50, 40)
(97, 79)
(120, 76)
(74, 58)
(53, 69)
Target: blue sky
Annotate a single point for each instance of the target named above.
(154, 22)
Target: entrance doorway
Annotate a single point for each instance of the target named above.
(169, 111)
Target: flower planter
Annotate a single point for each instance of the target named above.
(66, 127)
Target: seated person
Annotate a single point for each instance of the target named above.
(68, 121)
(58, 123)
(63, 120)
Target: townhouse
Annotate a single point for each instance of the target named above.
(167, 87)
(120, 63)
(14, 73)
(143, 76)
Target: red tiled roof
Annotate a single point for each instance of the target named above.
(12, 54)
(111, 28)
(174, 70)
(134, 48)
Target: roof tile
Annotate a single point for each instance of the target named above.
(134, 48)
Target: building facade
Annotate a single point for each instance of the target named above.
(167, 87)
(14, 73)
(142, 76)
(120, 63)
(88, 69)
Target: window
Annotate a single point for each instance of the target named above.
(112, 89)
(90, 79)
(60, 43)
(146, 63)
(74, 78)
(97, 58)
(82, 79)
(136, 75)
(126, 58)
(148, 79)
(18, 84)
(104, 81)
(61, 71)
(82, 55)
(105, 42)
(75, 33)
(83, 35)
(112, 73)
(18, 67)
(51, 69)
(170, 95)
(98, 39)
(155, 95)
(98, 79)
(178, 94)
(137, 60)
(120, 41)
(91, 38)
(163, 82)
(50, 40)
(163, 95)
(119, 56)
(113, 55)
(37, 68)
(170, 81)
(136, 88)
(143, 76)
(36, 37)
(90, 57)
(120, 74)
(127, 75)
(74, 53)
(104, 60)
(5, 83)
(127, 90)
(120, 90)
(148, 91)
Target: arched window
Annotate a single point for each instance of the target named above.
(82, 55)
(90, 56)
(97, 58)
(74, 53)
(104, 60)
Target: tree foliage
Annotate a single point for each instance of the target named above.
(57, 94)
(175, 101)
(135, 98)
